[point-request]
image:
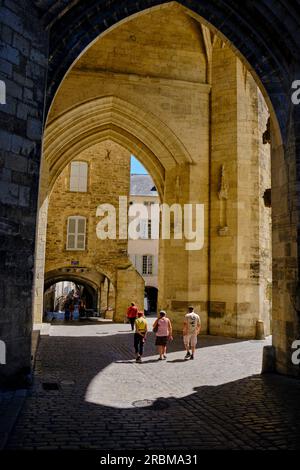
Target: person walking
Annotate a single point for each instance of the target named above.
(163, 330)
(141, 328)
(72, 308)
(191, 330)
(67, 310)
(81, 309)
(132, 312)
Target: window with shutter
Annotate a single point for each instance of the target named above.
(76, 233)
(78, 177)
(149, 229)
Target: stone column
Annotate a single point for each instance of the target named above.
(236, 225)
(130, 287)
(286, 245)
(23, 66)
(104, 290)
(183, 271)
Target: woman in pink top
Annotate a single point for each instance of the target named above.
(163, 329)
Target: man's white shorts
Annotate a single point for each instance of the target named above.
(190, 340)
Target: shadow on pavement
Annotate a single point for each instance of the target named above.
(257, 412)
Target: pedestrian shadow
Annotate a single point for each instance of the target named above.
(130, 361)
(177, 360)
(133, 361)
(150, 361)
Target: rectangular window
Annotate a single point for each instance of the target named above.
(78, 177)
(143, 229)
(149, 229)
(76, 233)
(147, 265)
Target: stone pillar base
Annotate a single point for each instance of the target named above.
(269, 360)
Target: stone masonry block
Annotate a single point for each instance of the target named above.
(34, 71)
(10, 54)
(22, 44)
(20, 178)
(21, 80)
(23, 111)
(11, 19)
(6, 67)
(34, 129)
(16, 162)
(28, 95)
(24, 196)
(6, 175)
(9, 193)
(38, 57)
(6, 34)
(17, 144)
(13, 89)
(10, 107)
(5, 139)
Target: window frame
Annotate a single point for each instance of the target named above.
(78, 162)
(77, 218)
(148, 258)
(149, 229)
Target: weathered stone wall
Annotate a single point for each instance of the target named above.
(130, 285)
(23, 64)
(108, 178)
(285, 223)
(265, 217)
(138, 248)
(240, 252)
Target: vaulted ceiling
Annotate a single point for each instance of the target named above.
(266, 33)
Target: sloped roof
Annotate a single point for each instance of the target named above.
(142, 185)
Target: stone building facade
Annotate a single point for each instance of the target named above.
(143, 191)
(97, 262)
(144, 252)
(41, 40)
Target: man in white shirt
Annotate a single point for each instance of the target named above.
(191, 329)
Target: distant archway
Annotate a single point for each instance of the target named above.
(144, 135)
(152, 296)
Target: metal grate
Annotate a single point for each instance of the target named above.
(49, 386)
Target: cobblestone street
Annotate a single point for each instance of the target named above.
(106, 401)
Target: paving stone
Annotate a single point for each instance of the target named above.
(218, 401)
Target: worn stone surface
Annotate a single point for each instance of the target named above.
(11, 403)
(21, 129)
(217, 401)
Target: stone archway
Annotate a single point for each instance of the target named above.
(88, 124)
(54, 301)
(274, 75)
(111, 117)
